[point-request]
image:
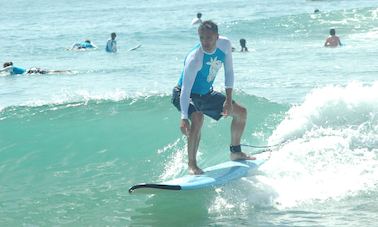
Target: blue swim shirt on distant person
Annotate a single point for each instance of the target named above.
(86, 45)
(17, 70)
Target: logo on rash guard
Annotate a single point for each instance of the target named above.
(215, 65)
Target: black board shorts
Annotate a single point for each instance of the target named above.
(210, 104)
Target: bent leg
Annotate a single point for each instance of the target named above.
(193, 142)
(239, 120)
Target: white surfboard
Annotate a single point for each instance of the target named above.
(136, 47)
(214, 176)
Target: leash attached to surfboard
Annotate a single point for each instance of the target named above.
(266, 147)
(213, 176)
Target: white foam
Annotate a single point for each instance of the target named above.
(365, 37)
(81, 95)
(175, 164)
(332, 150)
(331, 106)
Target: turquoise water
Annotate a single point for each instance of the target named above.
(71, 145)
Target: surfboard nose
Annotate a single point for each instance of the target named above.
(154, 186)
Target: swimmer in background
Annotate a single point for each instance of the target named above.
(87, 44)
(111, 45)
(333, 40)
(13, 70)
(243, 44)
(197, 20)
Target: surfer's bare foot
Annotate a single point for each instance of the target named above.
(195, 170)
(234, 156)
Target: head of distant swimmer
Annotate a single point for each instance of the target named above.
(243, 43)
(199, 15)
(113, 35)
(87, 41)
(332, 31)
(208, 35)
(6, 64)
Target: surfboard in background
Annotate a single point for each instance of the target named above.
(134, 48)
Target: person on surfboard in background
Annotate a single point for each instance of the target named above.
(194, 96)
(14, 70)
(87, 44)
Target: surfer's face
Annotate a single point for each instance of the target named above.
(208, 39)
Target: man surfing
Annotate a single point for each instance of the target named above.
(194, 96)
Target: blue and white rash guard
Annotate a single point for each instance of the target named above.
(200, 70)
(86, 45)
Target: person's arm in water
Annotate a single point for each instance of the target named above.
(228, 80)
(192, 66)
(113, 46)
(326, 42)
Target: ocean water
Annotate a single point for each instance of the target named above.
(71, 145)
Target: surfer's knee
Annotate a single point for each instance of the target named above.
(240, 112)
(197, 120)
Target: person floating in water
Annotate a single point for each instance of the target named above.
(332, 40)
(243, 44)
(194, 97)
(14, 70)
(111, 45)
(87, 44)
(197, 20)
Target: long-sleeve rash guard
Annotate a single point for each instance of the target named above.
(200, 70)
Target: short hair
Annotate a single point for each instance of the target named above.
(6, 64)
(113, 33)
(199, 15)
(332, 31)
(208, 25)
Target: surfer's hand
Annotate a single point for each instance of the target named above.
(185, 127)
(227, 108)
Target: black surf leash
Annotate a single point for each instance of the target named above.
(266, 148)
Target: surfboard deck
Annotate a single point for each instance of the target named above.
(213, 176)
